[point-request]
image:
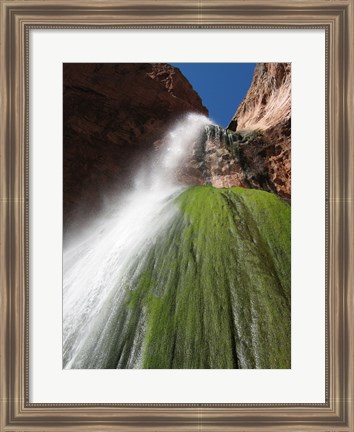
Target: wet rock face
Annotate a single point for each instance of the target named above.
(113, 113)
(267, 109)
(223, 159)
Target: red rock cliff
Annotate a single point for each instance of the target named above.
(266, 109)
(112, 115)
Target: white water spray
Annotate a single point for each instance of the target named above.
(100, 262)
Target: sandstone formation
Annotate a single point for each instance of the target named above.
(266, 110)
(113, 113)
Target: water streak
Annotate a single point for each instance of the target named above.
(100, 263)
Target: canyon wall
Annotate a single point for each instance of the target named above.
(113, 114)
(266, 110)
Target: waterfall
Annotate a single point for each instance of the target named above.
(104, 260)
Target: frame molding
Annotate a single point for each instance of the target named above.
(17, 18)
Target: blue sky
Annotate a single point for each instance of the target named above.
(222, 86)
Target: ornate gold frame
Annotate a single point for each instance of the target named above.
(17, 17)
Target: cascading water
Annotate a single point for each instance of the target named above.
(104, 262)
(170, 276)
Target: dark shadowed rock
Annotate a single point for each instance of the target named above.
(233, 125)
(113, 113)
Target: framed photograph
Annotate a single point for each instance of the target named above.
(176, 215)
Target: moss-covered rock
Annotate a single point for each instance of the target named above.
(214, 290)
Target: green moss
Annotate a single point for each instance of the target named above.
(214, 290)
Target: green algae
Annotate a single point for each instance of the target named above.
(214, 289)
